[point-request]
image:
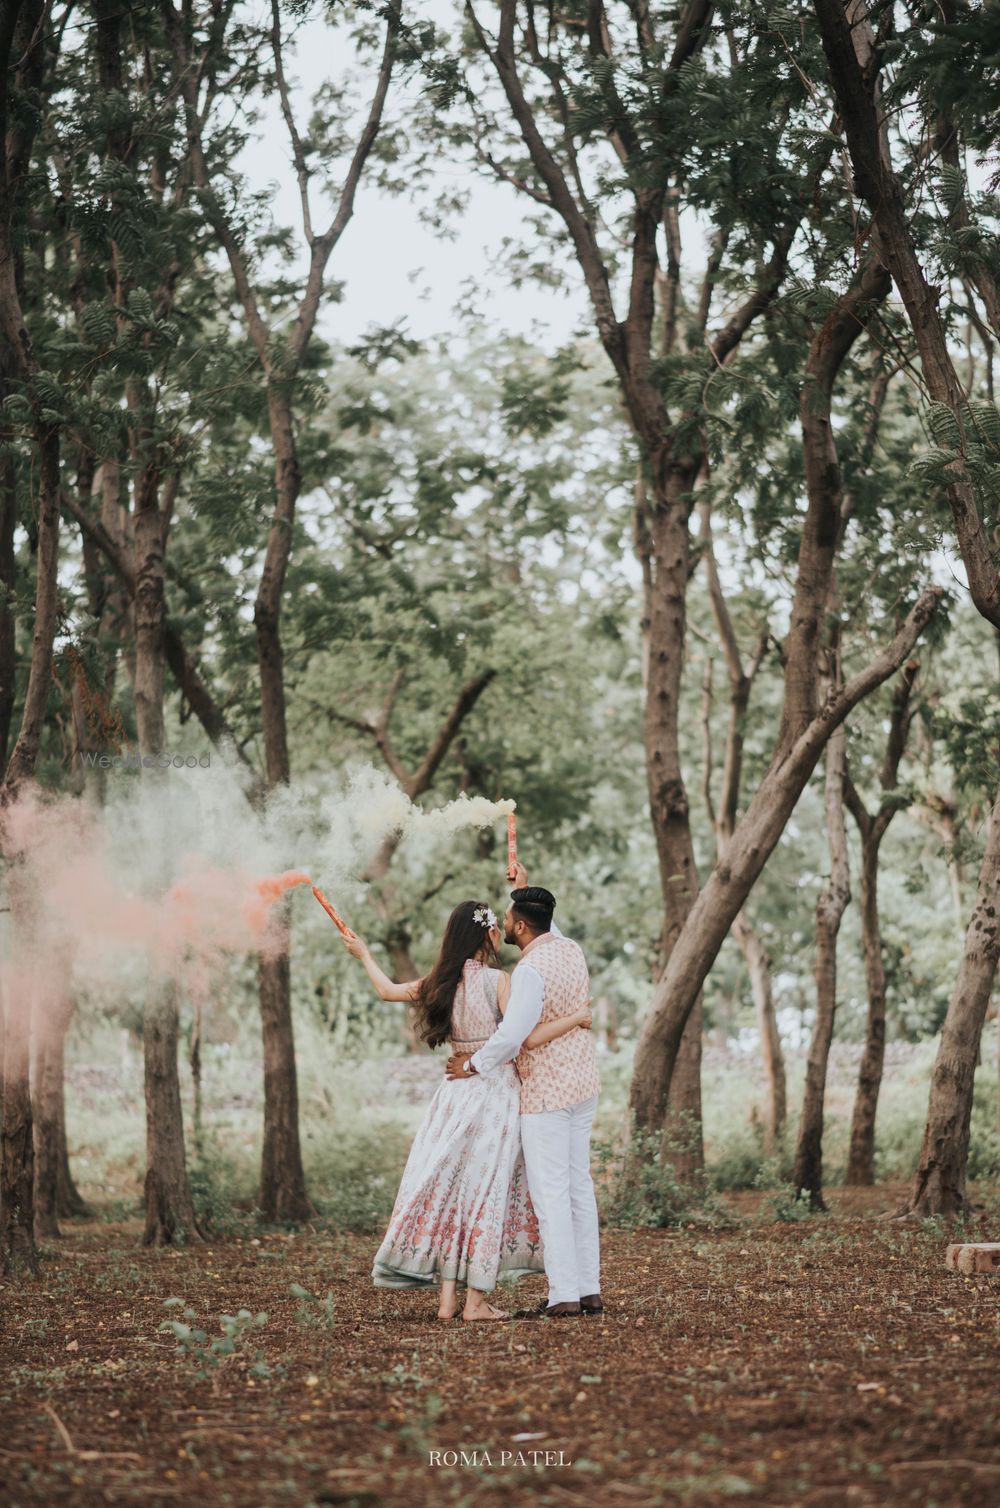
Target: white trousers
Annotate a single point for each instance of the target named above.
(557, 1158)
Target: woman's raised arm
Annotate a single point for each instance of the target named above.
(379, 978)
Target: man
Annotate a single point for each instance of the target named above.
(560, 1084)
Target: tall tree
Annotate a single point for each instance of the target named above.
(626, 80)
(807, 1170)
(967, 433)
(22, 67)
(872, 827)
(199, 55)
(741, 674)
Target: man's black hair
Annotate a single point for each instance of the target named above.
(534, 906)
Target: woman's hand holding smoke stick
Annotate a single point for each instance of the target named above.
(355, 945)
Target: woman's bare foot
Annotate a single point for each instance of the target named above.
(448, 1307)
(480, 1309)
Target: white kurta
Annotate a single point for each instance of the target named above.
(556, 1154)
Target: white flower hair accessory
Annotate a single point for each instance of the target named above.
(484, 916)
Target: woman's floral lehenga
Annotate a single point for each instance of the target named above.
(463, 1210)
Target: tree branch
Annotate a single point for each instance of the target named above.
(323, 245)
(466, 700)
(298, 155)
(855, 71)
(183, 667)
(503, 58)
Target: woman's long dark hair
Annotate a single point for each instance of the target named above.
(462, 940)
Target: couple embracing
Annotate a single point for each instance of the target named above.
(498, 1181)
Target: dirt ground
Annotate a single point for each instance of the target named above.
(828, 1361)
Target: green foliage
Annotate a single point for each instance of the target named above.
(217, 1194)
(238, 1331)
(785, 1203)
(312, 1311)
(740, 1162)
(638, 1187)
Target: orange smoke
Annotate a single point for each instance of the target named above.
(273, 886)
(230, 907)
(268, 889)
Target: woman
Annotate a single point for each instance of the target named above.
(463, 1214)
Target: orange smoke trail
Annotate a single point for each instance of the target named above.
(273, 886)
(270, 888)
(331, 911)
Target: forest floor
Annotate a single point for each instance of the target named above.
(827, 1361)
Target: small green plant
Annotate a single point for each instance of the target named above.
(313, 1311)
(399, 1376)
(741, 1159)
(419, 1431)
(786, 1203)
(193, 1343)
(639, 1187)
(773, 1173)
(215, 1192)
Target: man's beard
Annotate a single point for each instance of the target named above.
(508, 935)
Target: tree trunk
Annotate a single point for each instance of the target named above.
(149, 616)
(45, 1129)
(17, 1159)
(23, 36)
(283, 1194)
(97, 726)
(169, 1210)
(683, 1138)
(741, 679)
(70, 1203)
(606, 1021)
(939, 1184)
(861, 1157)
(17, 1248)
(759, 968)
(194, 1061)
(830, 907)
(8, 572)
(282, 1180)
(52, 1011)
(678, 1116)
(754, 840)
(804, 729)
